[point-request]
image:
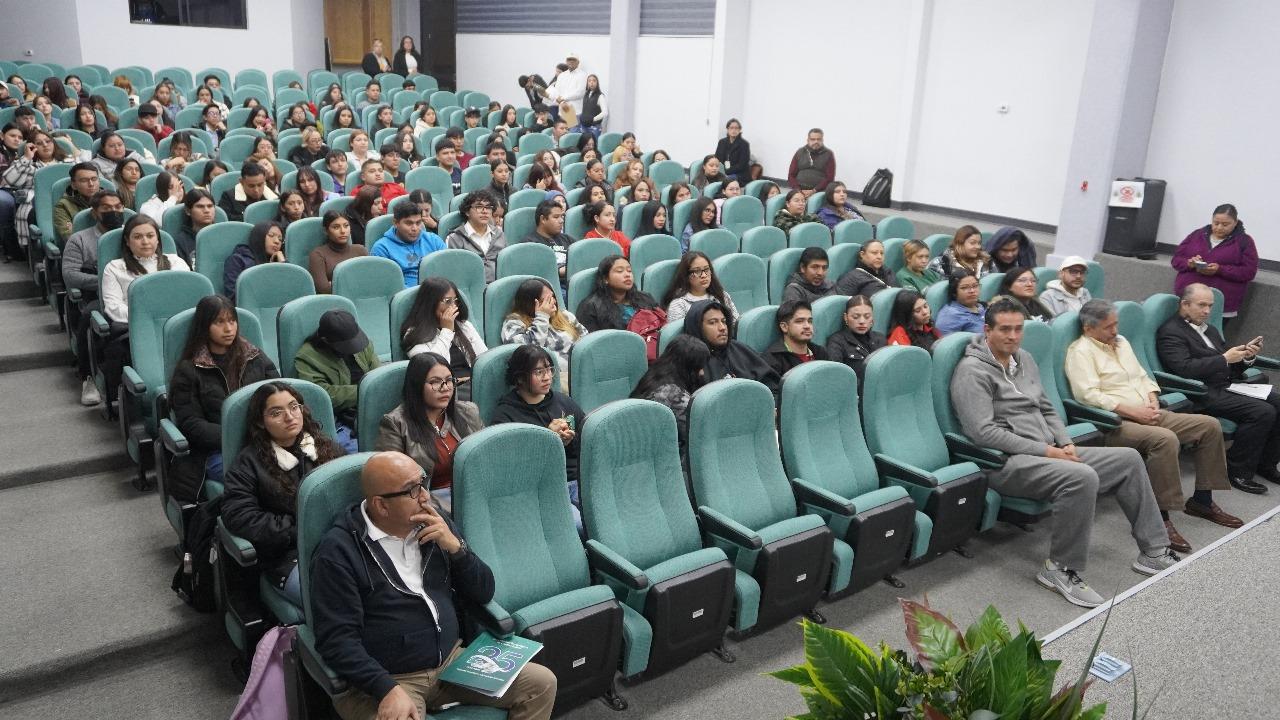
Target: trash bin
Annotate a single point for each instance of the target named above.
(1133, 217)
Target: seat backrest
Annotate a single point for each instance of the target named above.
(649, 249)
(828, 317)
(534, 144)
(630, 214)
(657, 278)
(938, 243)
(853, 231)
(214, 244)
(434, 180)
(178, 328)
(782, 265)
(895, 226)
(605, 365)
(587, 253)
(261, 211)
(633, 493)
(758, 328)
(300, 238)
(899, 407)
(498, 296)
(109, 248)
(153, 299)
(326, 493)
(936, 296)
(893, 258)
(476, 176)
(580, 286)
(1095, 281)
(821, 429)
(666, 172)
(989, 285)
(235, 422)
(381, 390)
(370, 283)
(401, 304)
(523, 199)
(529, 258)
(763, 241)
(263, 289)
(734, 463)
(1066, 330)
(772, 206)
(43, 197)
(298, 319)
(742, 213)
(947, 353)
(1215, 314)
(882, 308)
(810, 234)
(517, 224)
(509, 498)
(1136, 325)
(223, 183)
(714, 242)
(841, 259)
(744, 277)
(1037, 339)
(465, 269)
(575, 224)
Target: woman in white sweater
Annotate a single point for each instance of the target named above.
(536, 319)
(139, 254)
(438, 323)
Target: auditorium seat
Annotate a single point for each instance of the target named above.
(529, 259)
(658, 277)
(714, 242)
(647, 250)
(853, 231)
(810, 234)
(763, 241)
(882, 309)
(782, 265)
(298, 321)
(895, 226)
(214, 244)
(605, 366)
(828, 317)
(744, 278)
(758, 328)
(261, 211)
(893, 258)
(381, 390)
(489, 378)
(1037, 339)
(264, 289)
(517, 224)
(498, 296)
(1065, 328)
(841, 259)
(586, 254)
(370, 283)
(741, 214)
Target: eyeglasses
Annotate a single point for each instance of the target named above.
(449, 301)
(700, 272)
(482, 207)
(542, 372)
(439, 384)
(293, 408)
(413, 492)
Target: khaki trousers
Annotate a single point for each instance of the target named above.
(530, 697)
(1159, 445)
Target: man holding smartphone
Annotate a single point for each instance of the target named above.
(1189, 346)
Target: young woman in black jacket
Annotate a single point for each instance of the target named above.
(215, 362)
(734, 152)
(614, 299)
(870, 275)
(855, 341)
(283, 444)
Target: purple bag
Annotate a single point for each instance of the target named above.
(264, 694)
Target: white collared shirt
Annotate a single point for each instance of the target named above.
(406, 556)
(1203, 331)
(482, 240)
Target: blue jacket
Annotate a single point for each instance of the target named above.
(954, 317)
(407, 255)
(368, 625)
(240, 259)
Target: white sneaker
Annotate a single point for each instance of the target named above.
(1147, 565)
(1069, 583)
(89, 395)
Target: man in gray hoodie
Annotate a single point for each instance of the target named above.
(1068, 291)
(1000, 403)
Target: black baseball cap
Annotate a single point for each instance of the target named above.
(339, 330)
(473, 110)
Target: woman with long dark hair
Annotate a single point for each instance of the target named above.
(702, 217)
(836, 207)
(672, 380)
(367, 205)
(407, 61)
(614, 298)
(708, 172)
(336, 249)
(265, 245)
(653, 219)
(1020, 284)
(695, 280)
(855, 340)
(963, 311)
(438, 323)
(909, 320)
(734, 152)
(199, 212)
(282, 444)
(216, 361)
(430, 422)
(307, 181)
(537, 319)
(292, 207)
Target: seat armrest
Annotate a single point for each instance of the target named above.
(1174, 402)
(602, 558)
(1101, 419)
(132, 382)
(964, 448)
(823, 499)
(494, 617)
(899, 470)
(175, 443)
(35, 235)
(729, 529)
(99, 324)
(1176, 383)
(52, 251)
(240, 550)
(315, 665)
(74, 294)
(1266, 363)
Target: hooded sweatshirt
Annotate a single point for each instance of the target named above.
(407, 255)
(1001, 408)
(1026, 251)
(865, 280)
(513, 408)
(798, 289)
(1059, 300)
(734, 359)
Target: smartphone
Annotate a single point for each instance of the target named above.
(1199, 264)
(1256, 342)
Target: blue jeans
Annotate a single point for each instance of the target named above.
(293, 587)
(575, 504)
(593, 129)
(346, 439)
(213, 467)
(8, 208)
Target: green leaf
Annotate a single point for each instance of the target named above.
(820, 708)
(836, 660)
(983, 715)
(989, 629)
(974, 680)
(1009, 678)
(934, 637)
(1097, 712)
(797, 675)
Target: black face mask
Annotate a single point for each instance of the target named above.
(111, 220)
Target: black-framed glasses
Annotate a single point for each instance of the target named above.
(414, 492)
(439, 384)
(700, 272)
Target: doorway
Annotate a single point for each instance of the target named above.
(351, 26)
(439, 41)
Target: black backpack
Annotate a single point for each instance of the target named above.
(194, 580)
(878, 189)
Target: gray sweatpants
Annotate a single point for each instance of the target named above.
(1073, 488)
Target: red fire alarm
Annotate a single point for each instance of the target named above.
(1084, 186)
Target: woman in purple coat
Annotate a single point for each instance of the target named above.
(1221, 255)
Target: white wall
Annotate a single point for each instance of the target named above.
(673, 97)
(1214, 137)
(491, 63)
(812, 63)
(43, 28)
(108, 38)
(984, 54)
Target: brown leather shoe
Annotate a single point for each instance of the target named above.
(1177, 543)
(1213, 514)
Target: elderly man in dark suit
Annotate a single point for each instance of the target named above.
(1189, 346)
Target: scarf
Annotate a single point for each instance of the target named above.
(287, 460)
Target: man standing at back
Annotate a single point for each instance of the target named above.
(813, 167)
(1000, 403)
(570, 85)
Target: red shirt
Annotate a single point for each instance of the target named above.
(615, 236)
(442, 471)
(390, 191)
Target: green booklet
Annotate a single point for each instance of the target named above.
(489, 665)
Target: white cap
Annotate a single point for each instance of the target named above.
(571, 56)
(1072, 261)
